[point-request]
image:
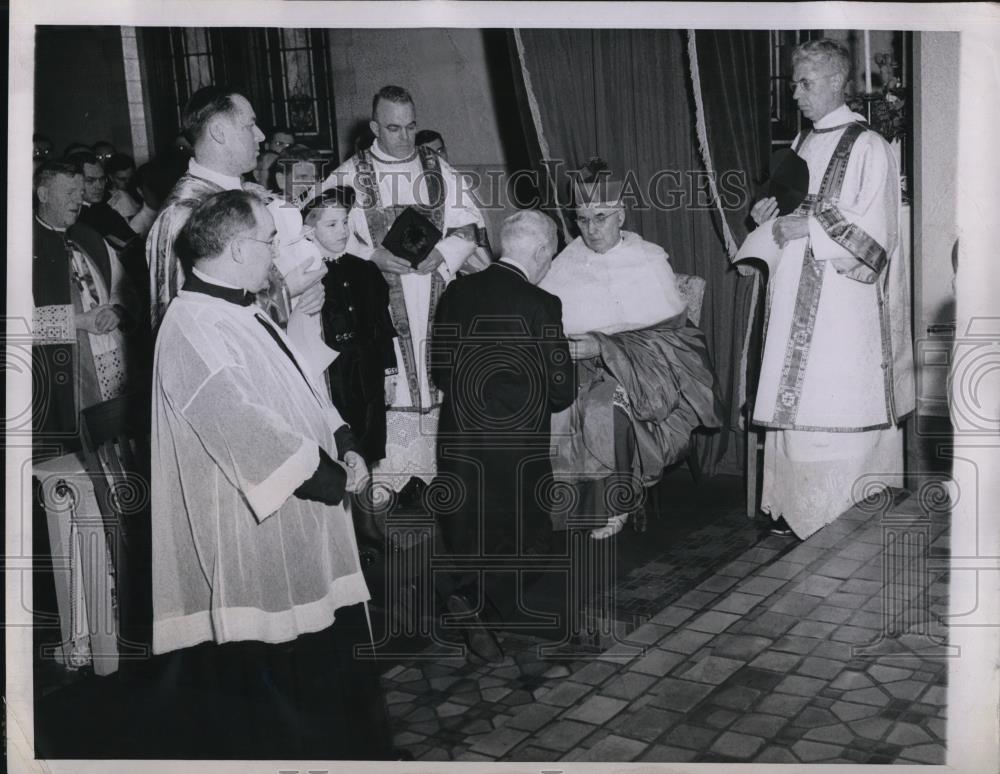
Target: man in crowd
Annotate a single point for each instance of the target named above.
(389, 177)
(223, 129)
(96, 212)
(431, 138)
(80, 297)
(121, 170)
(278, 139)
(645, 379)
(500, 357)
(251, 464)
(837, 370)
(41, 150)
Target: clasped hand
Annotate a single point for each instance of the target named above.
(393, 264)
(786, 228)
(357, 472)
(583, 346)
(101, 319)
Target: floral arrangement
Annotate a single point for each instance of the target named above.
(886, 108)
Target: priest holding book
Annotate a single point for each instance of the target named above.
(390, 178)
(836, 376)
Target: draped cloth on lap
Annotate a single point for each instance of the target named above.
(662, 377)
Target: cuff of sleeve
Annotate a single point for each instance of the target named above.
(326, 484)
(455, 250)
(346, 442)
(853, 240)
(54, 324)
(266, 497)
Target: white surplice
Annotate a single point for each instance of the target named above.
(237, 428)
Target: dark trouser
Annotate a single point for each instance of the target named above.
(308, 698)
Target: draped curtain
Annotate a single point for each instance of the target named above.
(626, 96)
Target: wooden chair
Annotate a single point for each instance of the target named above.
(116, 451)
(692, 289)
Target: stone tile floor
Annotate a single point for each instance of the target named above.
(824, 651)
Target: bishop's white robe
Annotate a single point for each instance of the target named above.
(837, 367)
(236, 430)
(630, 286)
(414, 410)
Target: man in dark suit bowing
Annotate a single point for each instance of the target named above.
(500, 357)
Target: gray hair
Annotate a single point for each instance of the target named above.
(523, 231)
(826, 50)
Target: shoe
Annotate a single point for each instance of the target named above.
(480, 641)
(613, 527)
(780, 528)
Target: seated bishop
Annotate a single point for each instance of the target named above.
(645, 380)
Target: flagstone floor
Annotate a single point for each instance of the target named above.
(731, 646)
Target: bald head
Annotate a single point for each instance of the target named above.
(529, 237)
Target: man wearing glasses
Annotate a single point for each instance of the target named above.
(837, 370)
(645, 381)
(254, 555)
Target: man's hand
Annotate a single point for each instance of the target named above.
(311, 301)
(386, 261)
(300, 279)
(431, 262)
(790, 227)
(101, 319)
(583, 346)
(764, 210)
(357, 471)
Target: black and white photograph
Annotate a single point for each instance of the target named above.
(447, 386)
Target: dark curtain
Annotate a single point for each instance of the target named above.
(734, 75)
(625, 95)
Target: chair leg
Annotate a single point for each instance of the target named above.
(693, 466)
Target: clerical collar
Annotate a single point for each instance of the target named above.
(50, 228)
(199, 282)
(837, 119)
(514, 265)
(379, 153)
(225, 182)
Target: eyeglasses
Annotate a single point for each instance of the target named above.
(598, 220)
(272, 243)
(807, 84)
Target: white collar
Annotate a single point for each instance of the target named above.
(836, 117)
(517, 265)
(213, 280)
(380, 153)
(226, 182)
(50, 228)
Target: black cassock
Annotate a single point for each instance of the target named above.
(499, 354)
(356, 324)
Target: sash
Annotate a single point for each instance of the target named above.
(810, 285)
(379, 219)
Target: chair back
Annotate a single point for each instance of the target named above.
(116, 452)
(692, 290)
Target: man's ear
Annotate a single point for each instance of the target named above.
(621, 217)
(236, 248)
(42, 194)
(279, 178)
(217, 128)
(373, 125)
